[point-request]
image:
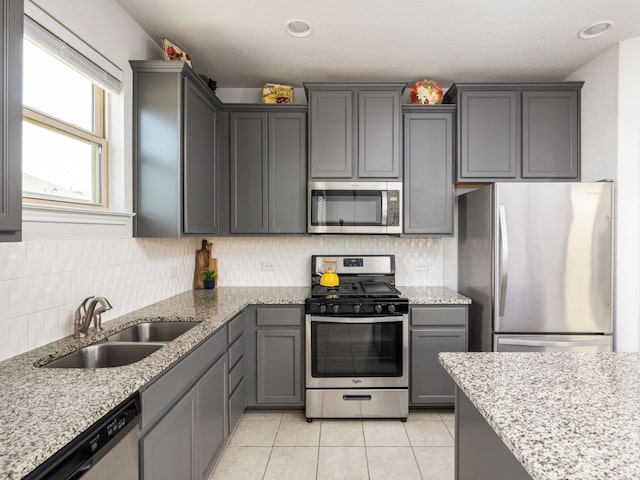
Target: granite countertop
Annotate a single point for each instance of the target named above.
(563, 415)
(433, 296)
(43, 409)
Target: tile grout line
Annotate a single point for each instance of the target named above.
(266, 467)
(413, 452)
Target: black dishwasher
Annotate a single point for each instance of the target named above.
(106, 450)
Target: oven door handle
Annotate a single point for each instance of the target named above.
(397, 318)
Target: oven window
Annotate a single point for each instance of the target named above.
(356, 349)
(346, 207)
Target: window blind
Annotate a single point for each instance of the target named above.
(68, 47)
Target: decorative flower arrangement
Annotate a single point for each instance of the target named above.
(426, 92)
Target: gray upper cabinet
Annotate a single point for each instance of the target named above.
(428, 169)
(174, 150)
(267, 171)
(331, 146)
(550, 130)
(517, 131)
(379, 140)
(354, 130)
(11, 19)
(249, 172)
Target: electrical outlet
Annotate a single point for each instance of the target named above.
(267, 266)
(173, 271)
(421, 267)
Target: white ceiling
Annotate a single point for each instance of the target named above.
(242, 43)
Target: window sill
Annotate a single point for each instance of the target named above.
(48, 222)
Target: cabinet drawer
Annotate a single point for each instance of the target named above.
(439, 315)
(236, 352)
(279, 316)
(159, 395)
(236, 327)
(236, 374)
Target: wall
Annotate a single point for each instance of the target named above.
(611, 149)
(287, 260)
(45, 277)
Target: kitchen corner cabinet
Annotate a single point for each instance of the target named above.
(428, 169)
(184, 421)
(354, 130)
(517, 131)
(268, 176)
(435, 329)
(174, 151)
(275, 356)
(11, 20)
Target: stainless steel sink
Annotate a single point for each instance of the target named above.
(152, 332)
(104, 355)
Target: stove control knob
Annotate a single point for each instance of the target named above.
(323, 308)
(378, 308)
(392, 308)
(336, 308)
(357, 308)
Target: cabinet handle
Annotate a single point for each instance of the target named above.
(356, 397)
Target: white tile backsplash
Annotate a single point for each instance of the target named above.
(240, 260)
(42, 282)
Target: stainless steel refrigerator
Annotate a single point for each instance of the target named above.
(536, 259)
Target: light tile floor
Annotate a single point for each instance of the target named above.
(282, 445)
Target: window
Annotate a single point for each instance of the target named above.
(64, 144)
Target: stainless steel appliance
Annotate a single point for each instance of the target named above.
(536, 259)
(355, 207)
(357, 341)
(106, 450)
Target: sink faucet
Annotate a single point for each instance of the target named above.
(87, 312)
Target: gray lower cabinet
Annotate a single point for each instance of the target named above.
(517, 131)
(167, 451)
(184, 422)
(267, 171)
(174, 151)
(275, 356)
(211, 428)
(436, 329)
(11, 21)
(355, 130)
(428, 169)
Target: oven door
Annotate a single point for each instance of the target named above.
(345, 207)
(357, 352)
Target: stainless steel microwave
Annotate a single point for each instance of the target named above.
(355, 207)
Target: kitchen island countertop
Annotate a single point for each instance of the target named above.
(562, 415)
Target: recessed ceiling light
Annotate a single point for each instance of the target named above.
(298, 28)
(596, 29)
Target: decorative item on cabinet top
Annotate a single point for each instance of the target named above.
(174, 52)
(275, 93)
(426, 92)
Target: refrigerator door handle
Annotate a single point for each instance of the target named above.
(553, 343)
(504, 258)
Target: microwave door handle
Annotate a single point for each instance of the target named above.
(384, 206)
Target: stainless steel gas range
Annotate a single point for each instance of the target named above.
(357, 341)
